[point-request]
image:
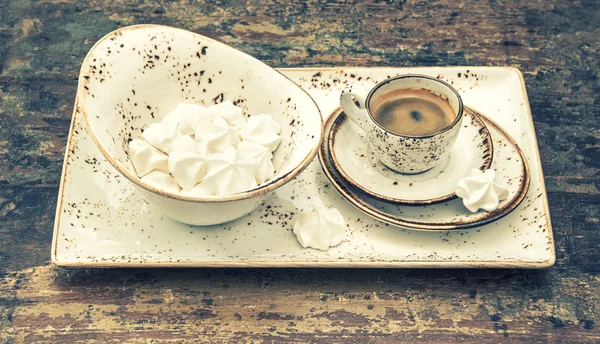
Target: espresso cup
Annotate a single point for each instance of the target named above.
(411, 121)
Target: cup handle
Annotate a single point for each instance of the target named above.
(357, 113)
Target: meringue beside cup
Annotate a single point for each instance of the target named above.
(320, 228)
(480, 191)
(206, 151)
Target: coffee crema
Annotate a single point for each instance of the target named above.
(413, 112)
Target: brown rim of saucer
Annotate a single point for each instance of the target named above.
(348, 192)
(335, 126)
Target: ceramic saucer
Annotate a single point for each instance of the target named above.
(508, 161)
(356, 162)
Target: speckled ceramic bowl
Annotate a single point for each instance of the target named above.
(136, 75)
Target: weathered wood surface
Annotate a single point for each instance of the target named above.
(554, 43)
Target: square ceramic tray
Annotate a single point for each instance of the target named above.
(96, 228)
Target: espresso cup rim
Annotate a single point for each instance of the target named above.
(457, 120)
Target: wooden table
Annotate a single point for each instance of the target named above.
(554, 43)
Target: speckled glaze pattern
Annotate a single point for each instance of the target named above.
(103, 221)
(359, 165)
(136, 75)
(411, 155)
(511, 169)
(404, 153)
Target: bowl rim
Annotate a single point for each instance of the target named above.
(271, 185)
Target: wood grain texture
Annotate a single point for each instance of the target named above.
(554, 43)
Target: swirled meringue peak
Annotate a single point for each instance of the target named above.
(229, 172)
(189, 116)
(162, 135)
(262, 155)
(262, 129)
(203, 153)
(187, 161)
(479, 191)
(230, 113)
(162, 181)
(320, 228)
(146, 158)
(188, 168)
(218, 135)
(186, 143)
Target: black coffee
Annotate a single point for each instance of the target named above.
(413, 112)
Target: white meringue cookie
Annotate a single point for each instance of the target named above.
(230, 113)
(189, 116)
(146, 158)
(188, 168)
(197, 191)
(217, 135)
(162, 181)
(197, 146)
(262, 155)
(320, 229)
(161, 135)
(186, 143)
(262, 129)
(479, 191)
(229, 172)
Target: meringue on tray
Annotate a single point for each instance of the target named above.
(202, 151)
(320, 228)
